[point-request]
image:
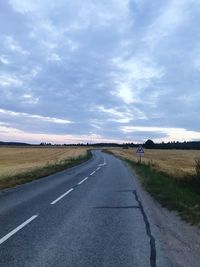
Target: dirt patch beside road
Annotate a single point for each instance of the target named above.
(176, 240)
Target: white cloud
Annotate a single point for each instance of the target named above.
(54, 57)
(12, 134)
(173, 15)
(140, 67)
(35, 71)
(30, 99)
(136, 60)
(172, 134)
(125, 116)
(27, 6)
(136, 73)
(33, 116)
(125, 93)
(115, 115)
(73, 45)
(13, 45)
(7, 80)
(4, 60)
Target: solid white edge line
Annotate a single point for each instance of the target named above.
(92, 173)
(59, 198)
(98, 168)
(83, 180)
(3, 239)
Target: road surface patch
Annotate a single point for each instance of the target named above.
(6, 237)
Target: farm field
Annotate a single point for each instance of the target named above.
(176, 163)
(16, 160)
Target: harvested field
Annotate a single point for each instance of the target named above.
(176, 163)
(16, 160)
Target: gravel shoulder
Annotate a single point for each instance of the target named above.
(177, 242)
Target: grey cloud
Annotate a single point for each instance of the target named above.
(138, 60)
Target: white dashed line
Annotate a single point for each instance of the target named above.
(102, 164)
(59, 198)
(3, 239)
(83, 180)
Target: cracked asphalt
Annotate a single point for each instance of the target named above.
(90, 215)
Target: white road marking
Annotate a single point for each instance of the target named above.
(98, 168)
(3, 239)
(83, 180)
(92, 173)
(59, 198)
(103, 164)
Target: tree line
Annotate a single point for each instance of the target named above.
(149, 144)
(172, 145)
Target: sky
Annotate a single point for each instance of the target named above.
(99, 71)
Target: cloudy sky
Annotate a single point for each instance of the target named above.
(99, 70)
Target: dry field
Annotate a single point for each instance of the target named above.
(174, 162)
(15, 160)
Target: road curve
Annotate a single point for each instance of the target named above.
(89, 215)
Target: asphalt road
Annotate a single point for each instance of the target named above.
(90, 215)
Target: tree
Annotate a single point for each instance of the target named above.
(149, 144)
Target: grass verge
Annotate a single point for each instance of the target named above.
(21, 178)
(182, 196)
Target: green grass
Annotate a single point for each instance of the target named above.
(11, 181)
(181, 194)
(171, 193)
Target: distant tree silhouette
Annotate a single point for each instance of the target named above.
(149, 144)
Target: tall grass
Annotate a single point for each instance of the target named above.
(197, 168)
(172, 193)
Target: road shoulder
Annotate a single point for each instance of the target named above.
(177, 241)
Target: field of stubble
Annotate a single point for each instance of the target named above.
(176, 163)
(16, 160)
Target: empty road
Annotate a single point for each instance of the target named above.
(90, 215)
